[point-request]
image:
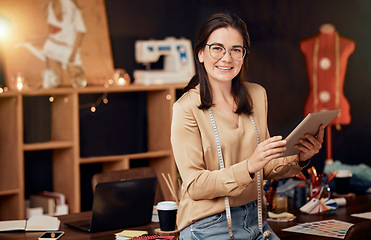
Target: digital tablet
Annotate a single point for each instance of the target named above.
(310, 124)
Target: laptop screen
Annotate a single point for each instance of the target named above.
(123, 204)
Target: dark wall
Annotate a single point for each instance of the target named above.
(276, 28)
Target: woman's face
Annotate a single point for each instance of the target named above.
(226, 68)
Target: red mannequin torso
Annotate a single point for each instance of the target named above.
(327, 56)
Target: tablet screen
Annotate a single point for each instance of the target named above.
(310, 124)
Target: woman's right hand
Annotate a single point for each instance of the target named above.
(266, 151)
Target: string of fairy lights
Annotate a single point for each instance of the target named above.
(93, 106)
(120, 79)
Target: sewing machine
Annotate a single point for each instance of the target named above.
(178, 61)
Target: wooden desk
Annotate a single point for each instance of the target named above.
(74, 234)
(361, 204)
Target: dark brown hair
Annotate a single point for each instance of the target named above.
(239, 91)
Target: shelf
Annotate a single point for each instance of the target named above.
(130, 88)
(65, 132)
(8, 94)
(47, 92)
(9, 192)
(153, 154)
(47, 145)
(93, 89)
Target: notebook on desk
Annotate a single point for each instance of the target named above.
(120, 204)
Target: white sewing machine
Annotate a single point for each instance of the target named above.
(178, 61)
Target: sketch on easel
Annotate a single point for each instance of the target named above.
(57, 42)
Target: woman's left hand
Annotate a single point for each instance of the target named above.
(311, 145)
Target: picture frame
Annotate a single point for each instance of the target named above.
(24, 48)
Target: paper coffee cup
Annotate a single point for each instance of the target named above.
(167, 215)
(342, 181)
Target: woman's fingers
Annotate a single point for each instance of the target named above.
(266, 151)
(321, 134)
(274, 143)
(311, 145)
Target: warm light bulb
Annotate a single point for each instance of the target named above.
(4, 26)
(51, 99)
(121, 77)
(121, 81)
(168, 97)
(18, 82)
(93, 109)
(1, 90)
(19, 86)
(105, 101)
(65, 99)
(2, 31)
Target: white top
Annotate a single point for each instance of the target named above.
(72, 22)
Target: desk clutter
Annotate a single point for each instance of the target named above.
(315, 198)
(312, 196)
(46, 203)
(137, 234)
(36, 223)
(280, 217)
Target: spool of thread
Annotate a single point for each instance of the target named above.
(340, 201)
(300, 196)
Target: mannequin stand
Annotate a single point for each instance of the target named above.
(329, 142)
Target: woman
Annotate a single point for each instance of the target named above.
(219, 91)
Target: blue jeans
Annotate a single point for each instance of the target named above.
(215, 227)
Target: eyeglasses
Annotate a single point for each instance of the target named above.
(217, 51)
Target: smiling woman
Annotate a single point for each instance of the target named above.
(221, 68)
(223, 117)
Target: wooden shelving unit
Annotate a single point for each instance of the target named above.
(65, 142)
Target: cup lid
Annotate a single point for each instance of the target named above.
(167, 205)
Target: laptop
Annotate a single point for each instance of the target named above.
(120, 204)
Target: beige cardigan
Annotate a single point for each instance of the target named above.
(195, 152)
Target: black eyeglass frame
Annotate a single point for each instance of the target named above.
(225, 51)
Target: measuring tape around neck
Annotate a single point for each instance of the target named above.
(267, 233)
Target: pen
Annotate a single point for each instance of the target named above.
(314, 171)
(301, 176)
(312, 178)
(332, 176)
(319, 181)
(331, 172)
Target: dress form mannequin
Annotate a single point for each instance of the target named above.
(326, 57)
